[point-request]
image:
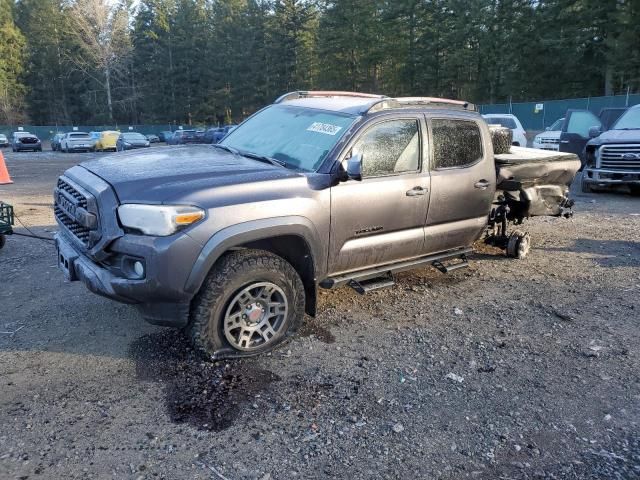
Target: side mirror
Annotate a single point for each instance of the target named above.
(354, 167)
(548, 129)
(594, 132)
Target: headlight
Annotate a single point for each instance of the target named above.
(158, 220)
(127, 144)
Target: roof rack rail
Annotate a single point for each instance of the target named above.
(325, 93)
(407, 102)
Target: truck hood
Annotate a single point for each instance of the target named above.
(549, 134)
(616, 136)
(160, 174)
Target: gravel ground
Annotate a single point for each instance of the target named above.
(506, 370)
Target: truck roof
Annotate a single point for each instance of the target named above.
(355, 103)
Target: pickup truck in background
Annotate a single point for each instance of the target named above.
(612, 157)
(579, 127)
(319, 190)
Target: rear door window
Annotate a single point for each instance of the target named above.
(456, 143)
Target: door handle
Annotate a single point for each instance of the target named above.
(482, 184)
(415, 191)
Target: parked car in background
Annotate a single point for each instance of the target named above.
(608, 116)
(549, 139)
(94, 136)
(512, 123)
(581, 125)
(210, 135)
(4, 141)
(612, 157)
(55, 141)
(182, 137)
(153, 138)
(131, 140)
(25, 141)
(76, 142)
(214, 135)
(107, 141)
(165, 136)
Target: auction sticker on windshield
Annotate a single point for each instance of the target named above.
(325, 128)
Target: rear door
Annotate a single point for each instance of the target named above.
(380, 219)
(575, 131)
(463, 183)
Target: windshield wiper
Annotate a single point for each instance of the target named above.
(228, 149)
(264, 158)
(627, 128)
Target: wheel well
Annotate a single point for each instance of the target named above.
(296, 251)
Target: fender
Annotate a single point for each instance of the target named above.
(242, 233)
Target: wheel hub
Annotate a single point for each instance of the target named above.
(254, 313)
(255, 316)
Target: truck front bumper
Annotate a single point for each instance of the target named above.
(158, 293)
(605, 177)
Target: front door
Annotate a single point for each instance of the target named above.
(575, 131)
(380, 219)
(463, 184)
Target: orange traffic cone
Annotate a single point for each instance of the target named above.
(4, 173)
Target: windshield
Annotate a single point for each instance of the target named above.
(299, 137)
(557, 125)
(629, 121)
(133, 136)
(505, 122)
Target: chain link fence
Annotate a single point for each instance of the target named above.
(45, 132)
(534, 116)
(538, 115)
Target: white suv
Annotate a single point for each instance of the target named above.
(549, 139)
(511, 122)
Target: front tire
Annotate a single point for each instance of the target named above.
(635, 190)
(250, 302)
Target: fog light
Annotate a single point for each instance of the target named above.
(138, 268)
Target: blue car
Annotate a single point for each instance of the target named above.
(131, 140)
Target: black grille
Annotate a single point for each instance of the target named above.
(80, 231)
(620, 157)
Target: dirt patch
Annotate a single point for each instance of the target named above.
(206, 395)
(311, 328)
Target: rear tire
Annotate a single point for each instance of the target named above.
(635, 190)
(250, 302)
(519, 244)
(3, 240)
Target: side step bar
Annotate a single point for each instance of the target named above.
(365, 286)
(360, 278)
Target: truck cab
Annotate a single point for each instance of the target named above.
(612, 157)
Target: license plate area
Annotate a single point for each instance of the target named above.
(66, 262)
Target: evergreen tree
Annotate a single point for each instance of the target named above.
(12, 47)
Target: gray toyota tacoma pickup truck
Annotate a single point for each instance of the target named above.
(320, 189)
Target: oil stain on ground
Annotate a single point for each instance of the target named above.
(208, 396)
